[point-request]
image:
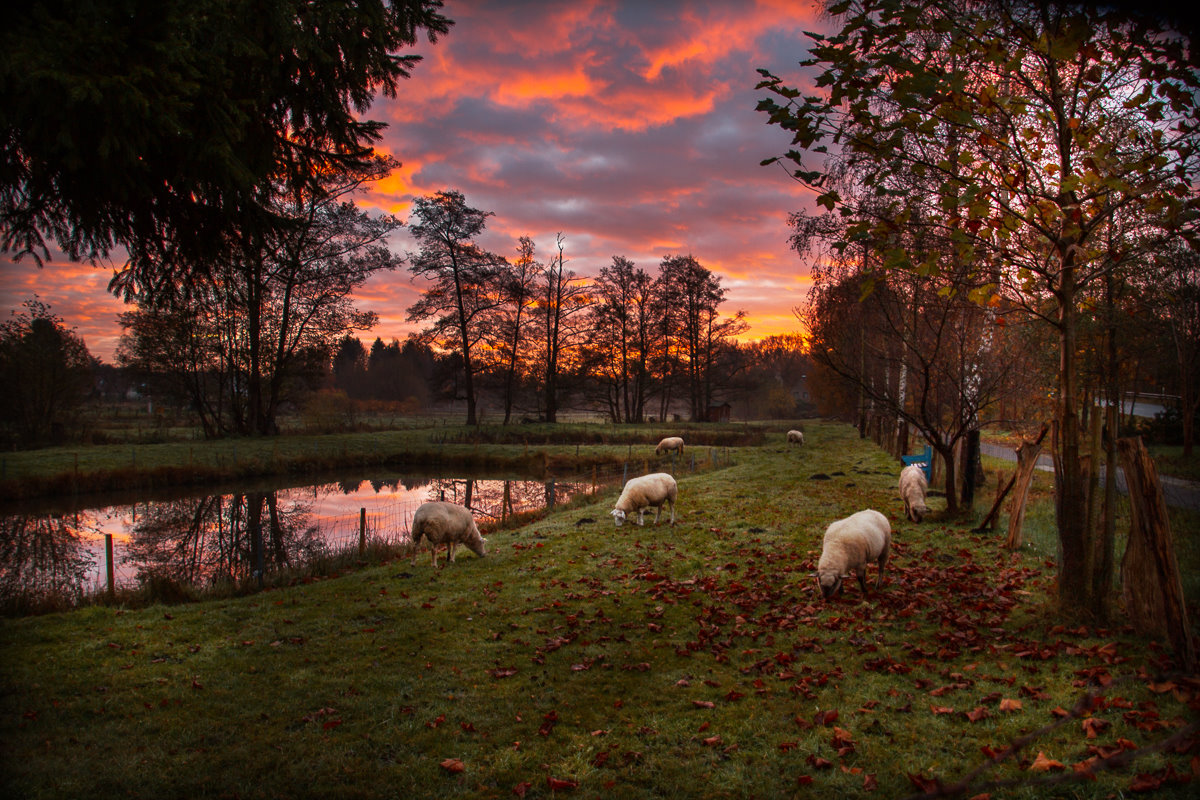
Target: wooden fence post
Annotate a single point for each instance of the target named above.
(1150, 581)
(108, 566)
(362, 532)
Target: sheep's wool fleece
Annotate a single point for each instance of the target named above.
(442, 522)
(854, 541)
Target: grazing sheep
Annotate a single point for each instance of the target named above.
(448, 524)
(669, 444)
(912, 488)
(795, 437)
(644, 492)
(850, 544)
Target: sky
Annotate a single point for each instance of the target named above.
(628, 126)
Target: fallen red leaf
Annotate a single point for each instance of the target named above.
(1044, 764)
(926, 785)
(453, 765)
(870, 784)
(1095, 725)
(827, 717)
(1008, 704)
(557, 784)
(941, 709)
(521, 788)
(1146, 782)
(704, 704)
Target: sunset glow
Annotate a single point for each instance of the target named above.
(627, 127)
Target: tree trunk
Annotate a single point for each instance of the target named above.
(1150, 577)
(947, 454)
(1074, 582)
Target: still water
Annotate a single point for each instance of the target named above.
(203, 539)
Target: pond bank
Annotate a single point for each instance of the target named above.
(535, 449)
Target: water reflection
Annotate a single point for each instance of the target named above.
(232, 537)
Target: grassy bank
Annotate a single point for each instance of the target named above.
(527, 448)
(579, 659)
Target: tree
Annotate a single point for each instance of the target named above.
(463, 289)
(260, 315)
(1180, 316)
(620, 345)
(561, 298)
(508, 332)
(350, 367)
(165, 126)
(692, 296)
(1037, 134)
(46, 371)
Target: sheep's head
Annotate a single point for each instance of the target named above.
(830, 582)
(918, 511)
(618, 516)
(474, 541)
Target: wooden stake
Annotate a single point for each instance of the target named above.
(1150, 581)
(1027, 456)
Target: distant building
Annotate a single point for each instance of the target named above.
(718, 413)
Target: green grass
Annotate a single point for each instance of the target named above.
(530, 448)
(580, 659)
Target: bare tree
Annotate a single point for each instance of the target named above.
(463, 278)
(562, 297)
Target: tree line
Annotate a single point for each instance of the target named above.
(1001, 213)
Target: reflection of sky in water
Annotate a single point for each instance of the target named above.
(322, 517)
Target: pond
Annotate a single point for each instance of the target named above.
(67, 554)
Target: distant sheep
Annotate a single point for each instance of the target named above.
(647, 491)
(795, 437)
(669, 444)
(850, 544)
(912, 488)
(448, 524)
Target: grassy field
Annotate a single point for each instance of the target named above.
(583, 660)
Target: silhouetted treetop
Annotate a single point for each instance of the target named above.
(164, 126)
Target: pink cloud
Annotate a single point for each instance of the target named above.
(629, 127)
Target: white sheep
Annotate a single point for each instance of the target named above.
(795, 437)
(850, 544)
(644, 492)
(448, 524)
(669, 444)
(912, 488)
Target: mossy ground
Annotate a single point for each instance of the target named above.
(586, 660)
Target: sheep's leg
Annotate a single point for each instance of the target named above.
(861, 574)
(657, 511)
(450, 548)
(641, 511)
(882, 562)
(672, 503)
(433, 548)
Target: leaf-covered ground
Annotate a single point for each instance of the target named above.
(580, 659)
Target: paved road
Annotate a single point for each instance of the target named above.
(1178, 493)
